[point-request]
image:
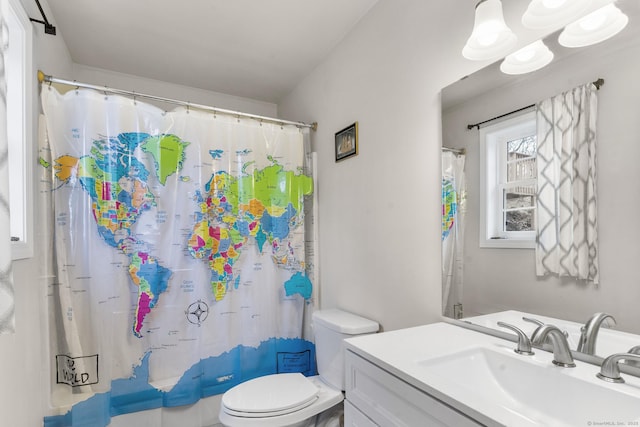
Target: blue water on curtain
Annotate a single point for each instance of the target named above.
(209, 377)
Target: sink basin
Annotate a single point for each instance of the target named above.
(532, 391)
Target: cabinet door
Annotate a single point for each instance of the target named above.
(390, 402)
(354, 418)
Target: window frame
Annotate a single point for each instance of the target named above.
(20, 126)
(492, 165)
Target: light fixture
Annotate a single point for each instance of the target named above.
(595, 27)
(543, 14)
(491, 38)
(530, 58)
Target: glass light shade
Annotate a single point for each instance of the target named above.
(595, 27)
(491, 38)
(530, 58)
(543, 14)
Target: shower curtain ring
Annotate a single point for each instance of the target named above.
(188, 106)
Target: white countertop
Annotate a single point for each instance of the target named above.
(406, 353)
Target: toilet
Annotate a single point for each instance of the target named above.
(291, 399)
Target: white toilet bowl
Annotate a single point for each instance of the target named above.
(278, 400)
(291, 399)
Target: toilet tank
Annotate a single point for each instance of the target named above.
(330, 328)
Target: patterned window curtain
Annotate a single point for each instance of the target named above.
(567, 240)
(7, 324)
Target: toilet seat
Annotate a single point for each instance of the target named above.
(269, 396)
(327, 397)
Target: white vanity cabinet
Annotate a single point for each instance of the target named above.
(377, 398)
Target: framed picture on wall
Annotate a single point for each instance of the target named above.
(347, 142)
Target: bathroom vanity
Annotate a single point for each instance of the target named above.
(445, 375)
(388, 400)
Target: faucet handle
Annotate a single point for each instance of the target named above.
(533, 320)
(524, 343)
(540, 323)
(610, 371)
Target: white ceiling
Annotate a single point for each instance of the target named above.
(259, 49)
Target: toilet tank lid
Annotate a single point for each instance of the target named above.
(344, 322)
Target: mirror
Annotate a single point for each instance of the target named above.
(504, 279)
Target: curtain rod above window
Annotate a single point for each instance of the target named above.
(43, 78)
(598, 83)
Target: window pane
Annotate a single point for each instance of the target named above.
(520, 220)
(522, 147)
(520, 197)
(521, 158)
(521, 169)
(519, 207)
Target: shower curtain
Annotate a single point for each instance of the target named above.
(453, 212)
(7, 322)
(180, 252)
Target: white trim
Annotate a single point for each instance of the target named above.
(24, 248)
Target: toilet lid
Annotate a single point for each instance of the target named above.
(270, 395)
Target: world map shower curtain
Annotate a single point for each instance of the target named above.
(453, 213)
(180, 253)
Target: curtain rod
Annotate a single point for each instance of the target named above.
(598, 83)
(43, 78)
(455, 150)
(48, 28)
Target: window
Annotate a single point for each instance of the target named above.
(20, 76)
(508, 183)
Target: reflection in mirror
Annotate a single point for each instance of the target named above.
(503, 279)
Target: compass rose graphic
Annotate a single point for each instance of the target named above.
(197, 312)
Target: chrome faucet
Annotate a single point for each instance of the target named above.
(589, 332)
(561, 352)
(610, 371)
(524, 343)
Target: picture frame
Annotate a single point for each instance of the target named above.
(346, 142)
